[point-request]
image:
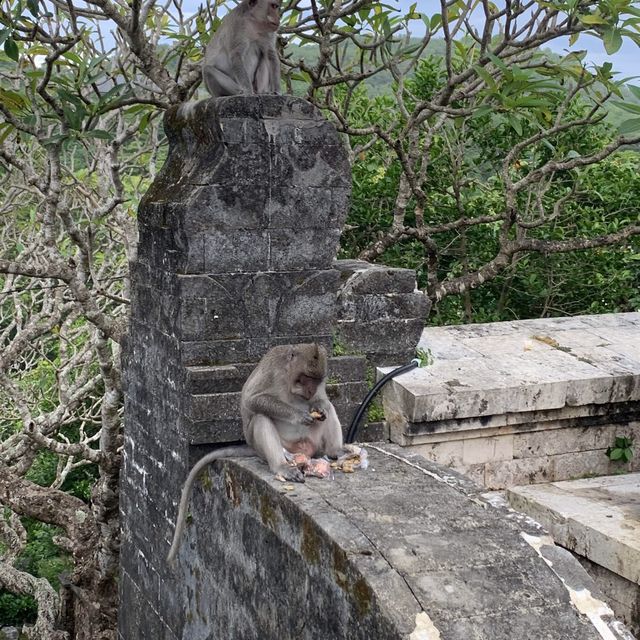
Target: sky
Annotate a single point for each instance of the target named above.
(626, 61)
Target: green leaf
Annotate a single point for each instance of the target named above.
(37, 50)
(11, 49)
(436, 21)
(616, 454)
(612, 39)
(627, 454)
(573, 38)
(530, 101)
(516, 125)
(630, 107)
(74, 116)
(101, 134)
(629, 126)
(74, 57)
(482, 110)
(32, 5)
(144, 122)
(12, 99)
(592, 19)
(4, 34)
(499, 63)
(485, 75)
(6, 129)
(635, 90)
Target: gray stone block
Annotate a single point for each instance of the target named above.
(303, 249)
(361, 277)
(311, 208)
(389, 306)
(215, 431)
(236, 251)
(316, 166)
(385, 341)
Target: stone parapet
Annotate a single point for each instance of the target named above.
(523, 401)
(406, 550)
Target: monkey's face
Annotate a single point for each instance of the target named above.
(307, 386)
(307, 369)
(272, 14)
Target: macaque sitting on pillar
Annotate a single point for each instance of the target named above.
(241, 58)
(284, 405)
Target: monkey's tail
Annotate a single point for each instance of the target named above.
(227, 452)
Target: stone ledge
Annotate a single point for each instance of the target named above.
(511, 368)
(435, 562)
(598, 520)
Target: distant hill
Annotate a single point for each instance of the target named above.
(381, 83)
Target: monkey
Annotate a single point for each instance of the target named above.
(283, 405)
(241, 57)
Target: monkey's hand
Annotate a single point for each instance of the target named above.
(307, 418)
(318, 414)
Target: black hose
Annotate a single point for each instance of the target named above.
(353, 427)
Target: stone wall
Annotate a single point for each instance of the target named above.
(237, 241)
(381, 312)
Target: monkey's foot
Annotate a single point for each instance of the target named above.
(287, 473)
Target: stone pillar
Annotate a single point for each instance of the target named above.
(381, 311)
(237, 238)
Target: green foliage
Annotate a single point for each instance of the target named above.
(41, 558)
(375, 412)
(622, 449)
(16, 610)
(425, 357)
(464, 176)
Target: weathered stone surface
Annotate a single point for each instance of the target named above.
(621, 594)
(524, 401)
(488, 372)
(386, 563)
(363, 278)
(595, 517)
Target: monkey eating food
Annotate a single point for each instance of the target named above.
(241, 57)
(284, 406)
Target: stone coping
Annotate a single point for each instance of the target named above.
(436, 561)
(506, 368)
(598, 518)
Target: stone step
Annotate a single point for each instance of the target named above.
(598, 518)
